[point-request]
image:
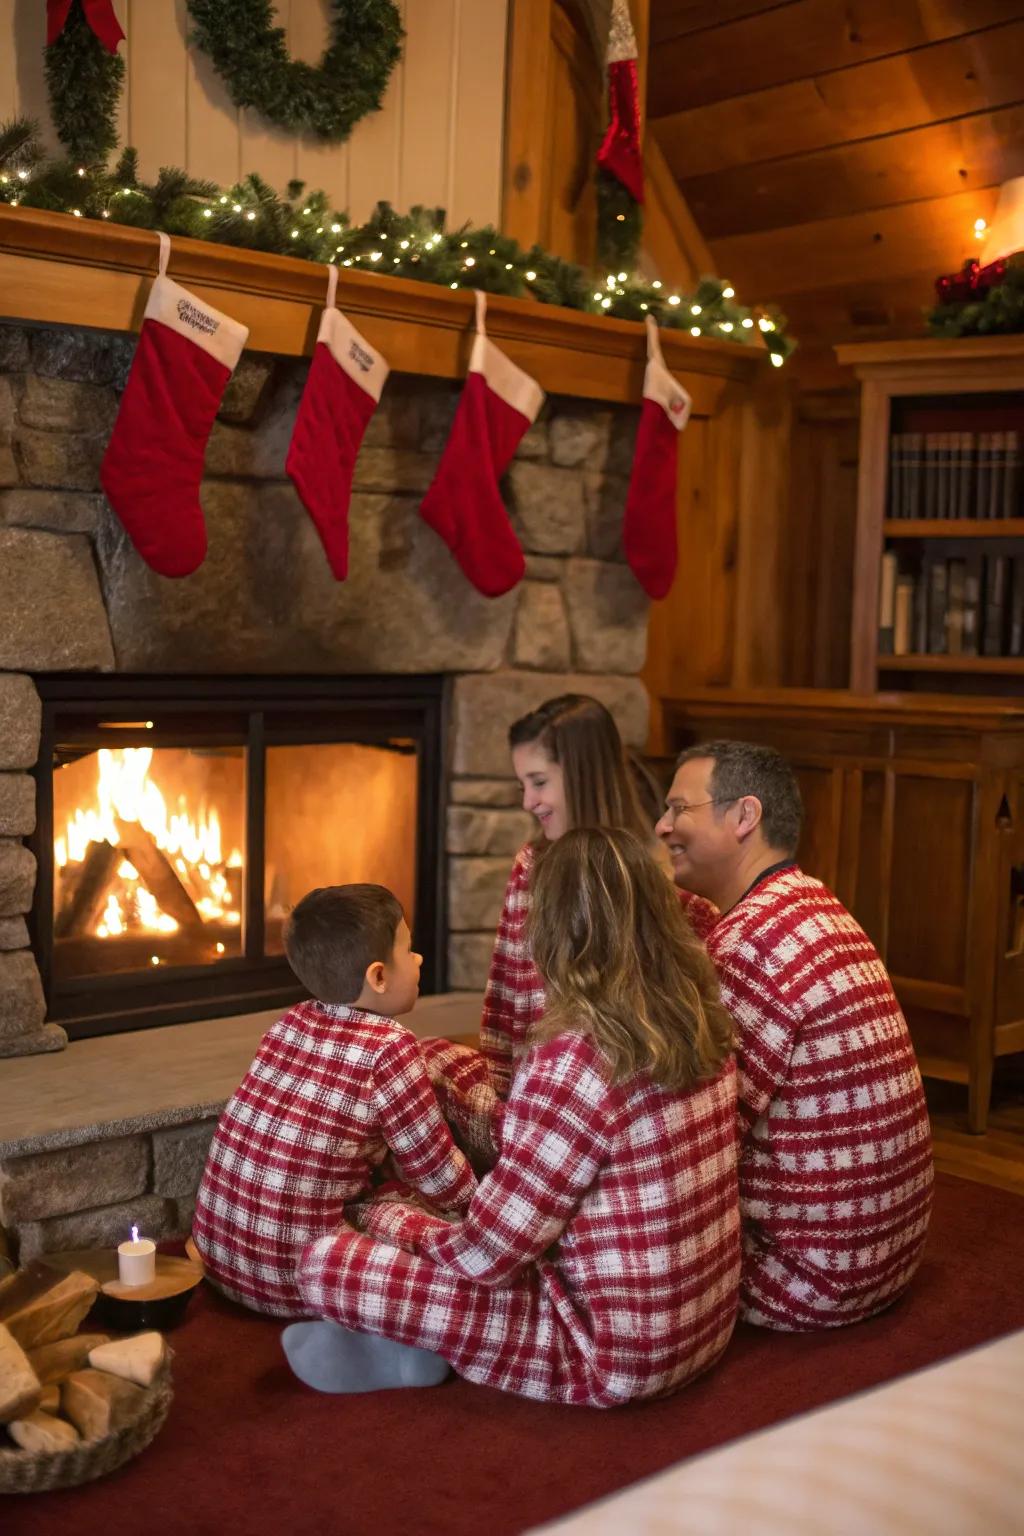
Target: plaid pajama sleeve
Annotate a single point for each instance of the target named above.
(514, 999)
(462, 1081)
(555, 1139)
(414, 1128)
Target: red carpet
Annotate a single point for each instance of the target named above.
(247, 1448)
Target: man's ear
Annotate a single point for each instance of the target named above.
(748, 818)
(376, 979)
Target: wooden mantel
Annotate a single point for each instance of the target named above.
(59, 270)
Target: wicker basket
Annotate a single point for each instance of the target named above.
(36, 1471)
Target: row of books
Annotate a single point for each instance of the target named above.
(954, 474)
(972, 606)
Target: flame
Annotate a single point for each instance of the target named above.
(135, 1234)
(191, 840)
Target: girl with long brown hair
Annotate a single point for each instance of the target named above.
(599, 1262)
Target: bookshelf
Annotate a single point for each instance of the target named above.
(938, 581)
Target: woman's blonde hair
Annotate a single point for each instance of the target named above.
(620, 961)
(579, 734)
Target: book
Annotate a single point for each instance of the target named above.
(983, 467)
(1015, 646)
(1011, 474)
(897, 451)
(965, 478)
(903, 616)
(943, 472)
(937, 607)
(931, 475)
(920, 640)
(971, 635)
(887, 602)
(913, 449)
(955, 607)
(996, 473)
(997, 574)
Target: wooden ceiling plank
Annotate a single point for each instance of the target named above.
(941, 160)
(979, 72)
(681, 18)
(792, 42)
(931, 236)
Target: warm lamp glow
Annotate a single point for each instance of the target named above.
(1005, 233)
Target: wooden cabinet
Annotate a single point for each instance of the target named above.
(914, 816)
(932, 390)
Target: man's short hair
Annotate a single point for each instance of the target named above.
(335, 933)
(743, 768)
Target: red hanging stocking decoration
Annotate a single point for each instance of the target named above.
(342, 392)
(649, 527)
(620, 152)
(463, 504)
(153, 466)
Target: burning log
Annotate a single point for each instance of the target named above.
(158, 874)
(82, 909)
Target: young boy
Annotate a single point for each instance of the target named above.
(336, 1084)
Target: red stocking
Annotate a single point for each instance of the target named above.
(153, 465)
(649, 527)
(342, 391)
(463, 504)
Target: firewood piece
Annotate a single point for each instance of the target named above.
(25, 1285)
(42, 1432)
(52, 1362)
(97, 1403)
(137, 1359)
(49, 1397)
(56, 1313)
(19, 1384)
(85, 903)
(158, 874)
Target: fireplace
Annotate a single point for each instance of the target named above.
(179, 820)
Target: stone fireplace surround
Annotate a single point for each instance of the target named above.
(74, 596)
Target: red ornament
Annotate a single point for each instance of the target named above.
(972, 282)
(99, 16)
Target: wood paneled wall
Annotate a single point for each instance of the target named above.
(437, 140)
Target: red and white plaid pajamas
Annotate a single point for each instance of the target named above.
(836, 1164)
(598, 1262)
(514, 1000)
(331, 1092)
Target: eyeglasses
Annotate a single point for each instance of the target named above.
(680, 807)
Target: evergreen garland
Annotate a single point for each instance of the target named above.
(84, 83)
(326, 100)
(620, 222)
(414, 245)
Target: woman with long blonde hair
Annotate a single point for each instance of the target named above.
(599, 1262)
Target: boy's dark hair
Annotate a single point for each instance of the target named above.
(743, 768)
(335, 933)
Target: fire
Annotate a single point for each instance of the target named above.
(190, 839)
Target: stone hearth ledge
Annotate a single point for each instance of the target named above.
(120, 1085)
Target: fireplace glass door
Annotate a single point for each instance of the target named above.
(180, 822)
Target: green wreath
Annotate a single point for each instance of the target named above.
(325, 100)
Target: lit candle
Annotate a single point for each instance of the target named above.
(136, 1261)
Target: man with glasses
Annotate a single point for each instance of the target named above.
(835, 1164)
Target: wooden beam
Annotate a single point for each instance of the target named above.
(976, 73)
(872, 247)
(941, 160)
(527, 100)
(58, 270)
(790, 42)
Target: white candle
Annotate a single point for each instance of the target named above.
(136, 1261)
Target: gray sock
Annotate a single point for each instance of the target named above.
(331, 1358)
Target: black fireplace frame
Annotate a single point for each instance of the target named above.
(367, 709)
